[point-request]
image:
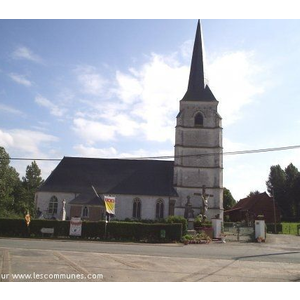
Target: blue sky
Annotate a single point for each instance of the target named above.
(111, 88)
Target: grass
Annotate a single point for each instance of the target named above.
(290, 228)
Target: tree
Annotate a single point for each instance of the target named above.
(276, 187)
(9, 179)
(228, 200)
(283, 185)
(292, 191)
(31, 182)
(253, 193)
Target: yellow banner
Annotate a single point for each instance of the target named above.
(110, 204)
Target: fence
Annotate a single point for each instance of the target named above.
(238, 232)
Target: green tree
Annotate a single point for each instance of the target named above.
(30, 184)
(253, 193)
(292, 194)
(276, 186)
(9, 179)
(228, 200)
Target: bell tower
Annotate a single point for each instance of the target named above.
(198, 142)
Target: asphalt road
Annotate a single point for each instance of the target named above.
(286, 249)
(276, 260)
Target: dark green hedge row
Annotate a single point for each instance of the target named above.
(271, 228)
(115, 230)
(284, 228)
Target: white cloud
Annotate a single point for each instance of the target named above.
(21, 79)
(129, 89)
(25, 53)
(91, 81)
(111, 152)
(232, 78)
(155, 89)
(8, 109)
(93, 131)
(29, 144)
(6, 140)
(54, 109)
(95, 152)
(27, 141)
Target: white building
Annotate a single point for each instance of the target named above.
(149, 189)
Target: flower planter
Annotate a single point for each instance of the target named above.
(209, 231)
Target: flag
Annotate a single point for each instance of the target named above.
(110, 204)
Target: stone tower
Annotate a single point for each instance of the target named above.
(198, 142)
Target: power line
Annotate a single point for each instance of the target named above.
(240, 152)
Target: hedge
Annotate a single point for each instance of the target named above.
(290, 228)
(271, 227)
(115, 230)
(284, 228)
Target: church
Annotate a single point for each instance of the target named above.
(150, 189)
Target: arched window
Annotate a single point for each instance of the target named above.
(85, 212)
(159, 209)
(136, 211)
(53, 203)
(199, 119)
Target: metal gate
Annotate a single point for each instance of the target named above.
(238, 232)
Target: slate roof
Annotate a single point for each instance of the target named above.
(112, 176)
(197, 89)
(87, 199)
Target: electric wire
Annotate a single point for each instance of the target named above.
(240, 152)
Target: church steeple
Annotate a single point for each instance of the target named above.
(197, 89)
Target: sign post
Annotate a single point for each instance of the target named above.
(75, 227)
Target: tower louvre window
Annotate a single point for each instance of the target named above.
(199, 119)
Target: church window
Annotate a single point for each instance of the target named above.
(53, 205)
(136, 208)
(199, 119)
(159, 209)
(85, 212)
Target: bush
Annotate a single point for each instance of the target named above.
(178, 220)
(115, 230)
(290, 228)
(143, 231)
(13, 227)
(199, 223)
(271, 228)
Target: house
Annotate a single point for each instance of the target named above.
(150, 189)
(256, 206)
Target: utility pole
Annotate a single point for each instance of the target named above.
(274, 208)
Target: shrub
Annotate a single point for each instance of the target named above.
(143, 231)
(271, 227)
(133, 231)
(289, 228)
(178, 220)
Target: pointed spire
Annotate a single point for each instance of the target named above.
(197, 89)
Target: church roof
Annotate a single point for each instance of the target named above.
(197, 89)
(112, 176)
(87, 199)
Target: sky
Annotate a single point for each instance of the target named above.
(111, 88)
